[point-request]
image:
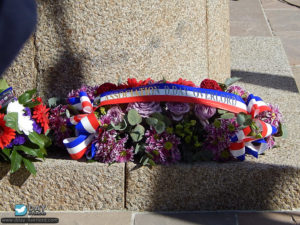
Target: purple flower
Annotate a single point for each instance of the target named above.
(91, 92)
(178, 109)
(110, 150)
(163, 147)
(145, 109)
(218, 136)
(115, 115)
(273, 117)
(19, 140)
(124, 155)
(58, 123)
(204, 112)
(237, 90)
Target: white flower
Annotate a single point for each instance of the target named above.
(25, 124)
(15, 107)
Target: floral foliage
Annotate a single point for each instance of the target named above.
(22, 121)
(162, 132)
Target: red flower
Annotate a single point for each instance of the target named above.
(6, 133)
(41, 114)
(210, 84)
(183, 82)
(132, 82)
(106, 87)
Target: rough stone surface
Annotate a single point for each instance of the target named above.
(21, 74)
(64, 185)
(213, 186)
(100, 41)
(218, 40)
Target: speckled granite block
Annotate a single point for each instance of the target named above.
(64, 185)
(21, 74)
(90, 42)
(218, 39)
(250, 185)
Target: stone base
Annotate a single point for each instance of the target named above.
(64, 185)
(271, 182)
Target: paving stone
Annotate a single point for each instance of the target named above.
(92, 218)
(296, 73)
(185, 219)
(296, 216)
(247, 19)
(264, 70)
(290, 39)
(284, 20)
(265, 219)
(276, 4)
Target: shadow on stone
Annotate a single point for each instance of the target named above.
(4, 169)
(267, 80)
(19, 177)
(67, 74)
(213, 186)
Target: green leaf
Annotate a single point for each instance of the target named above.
(217, 123)
(52, 102)
(241, 118)
(31, 104)
(39, 139)
(232, 80)
(138, 148)
(281, 131)
(30, 151)
(158, 116)
(151, 121)
(3, 85)
(16, 160)
(151, 162)
(29, 166)
(145, 162)
(6, 151)
(160, 127)
(27, 96)
(137, 133)
(11, 120)
(134, 117)
(120, 126)
(221, 111)
(227, 116)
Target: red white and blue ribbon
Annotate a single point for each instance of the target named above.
(242, 142)
(165, 92)
(85, 125)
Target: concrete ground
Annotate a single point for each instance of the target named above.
(270, 18)
(172, 218)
